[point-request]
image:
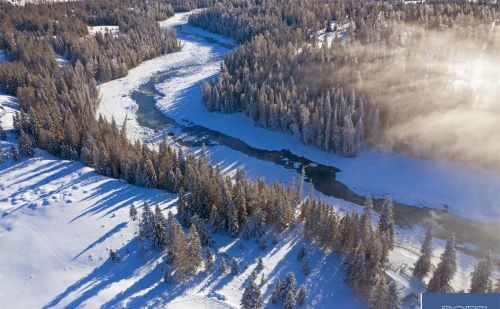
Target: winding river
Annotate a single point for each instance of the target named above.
(322, 176)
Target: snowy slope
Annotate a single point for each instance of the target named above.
(58, 220)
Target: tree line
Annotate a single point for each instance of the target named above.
(284, 79)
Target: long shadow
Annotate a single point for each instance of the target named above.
(114, 230)
(101, 277)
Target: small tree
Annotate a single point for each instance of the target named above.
(440, 281)
(423, 264)
(290, 300)
(393, 300)
(480, 281)
(133, 212)
(234, 267)
(209, 259)
(276, 296)
(114, 256)
(3, 135)
(25, 145)
(252, 298)
(302, 253)
(223, 265)
(386, 221)
(14, 154)
(301, 296)
(260, 265)
(289, 290)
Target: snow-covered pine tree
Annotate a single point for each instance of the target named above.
(133, 212)
(234, 267)
(378, 295)
(301, 182)
(276, 295)
(441, 279)
(301, 296)
(260, 264)
(386, 221)
(290, 300)
(3, 135)
(25, 145)
(223, 265)
(194, 250)
(480, 277)
(159, 231)
(146, 225)
(306, 269)
(205, 238)
(209, 259)
(302, 253)
(252, 297)
(423, 264)
(183, 208)
(393, 300)
(289, 287)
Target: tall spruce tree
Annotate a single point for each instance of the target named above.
(386, 221)
(444, 273)
(480, 277)
(209, 259)
(133, 212)
(252, 297)
(423, 264)
(194, 250)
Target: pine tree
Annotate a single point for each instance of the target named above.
(306, 269)
(480, 281)
(1, 154)
(223, 265)
(146, 226)
(159, 231)
(290, 299)
(289, 290)
(301, 296)
(194, 250)
(302, 253)
(25, 145)
(234, 267)
(133, 212)
(260, 265)
(386, 222)
(276, 296)
(252, 298)
(378, 296)
(3, 135)
(423, 264)
(14, 154)
(209, 259)
(301, 182)
(183, 208)
(441, 279)
(393, 300)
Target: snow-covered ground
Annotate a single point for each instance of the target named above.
(58, 219)
(113, 30)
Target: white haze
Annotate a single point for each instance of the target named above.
(439, 92)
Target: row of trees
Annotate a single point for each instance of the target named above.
(295, 92)
(283, 79)
(441, 279)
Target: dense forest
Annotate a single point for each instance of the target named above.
(58, 106)
(357, 82)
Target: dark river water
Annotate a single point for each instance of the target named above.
(323, 176)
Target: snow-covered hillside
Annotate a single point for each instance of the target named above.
(58, 219)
